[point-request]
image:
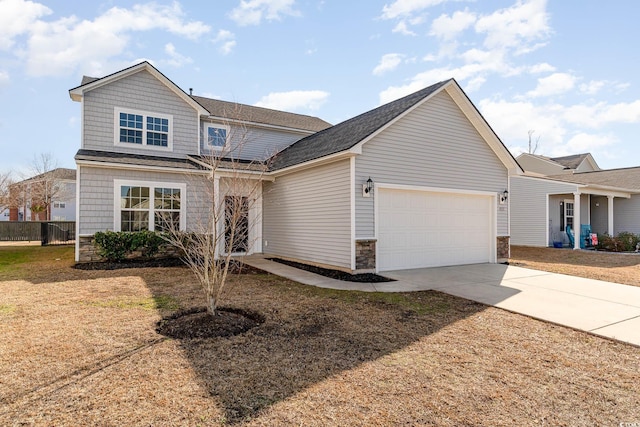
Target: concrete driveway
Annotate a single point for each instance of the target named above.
(603, 308)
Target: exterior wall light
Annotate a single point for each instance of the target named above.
(367, 188)
(503, 197)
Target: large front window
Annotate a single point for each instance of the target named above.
(139, 128)
(149, 206)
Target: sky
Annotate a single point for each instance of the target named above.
(563, 74)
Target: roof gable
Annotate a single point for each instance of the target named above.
(352, 133)
(90, 83)
(347, 134)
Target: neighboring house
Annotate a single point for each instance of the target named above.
(49, 196)
(438, 173)
(555, 192)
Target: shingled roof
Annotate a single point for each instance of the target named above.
(267, 116)
(347, 134)
(570, 162)
(625, 178)
(137, 159)
(57, 173)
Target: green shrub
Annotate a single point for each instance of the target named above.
(623, 242)
(115, 246)
(628, 241)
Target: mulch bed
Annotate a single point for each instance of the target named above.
(235, 267)
(198, 323)
(335, 274)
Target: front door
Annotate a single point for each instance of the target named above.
(236, 222)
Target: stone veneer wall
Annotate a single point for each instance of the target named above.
(503, 249)
(365, 254)
(88, 251)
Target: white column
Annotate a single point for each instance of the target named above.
(576, 220)
(610, 215)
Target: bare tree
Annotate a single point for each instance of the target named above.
(533, 148)
(226, 199)
(6, 181)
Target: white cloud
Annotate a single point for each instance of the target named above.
(516, 26)
(4, 78)
(176, 59)
(252, 12)
(597, 115)
(447, 27)
(295, 100)
(401, 8)
(542, 68)
(555, 84)
(585, 142)
(388, 62)
(60, 47)
(512, 121)
(592, 87)
(401, 27)
(17, 17)
(227, 41)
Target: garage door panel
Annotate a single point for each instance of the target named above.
(423, 229)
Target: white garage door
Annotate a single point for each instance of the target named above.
(419, 229)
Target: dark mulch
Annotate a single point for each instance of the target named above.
(196, 322)
(130, 263)
(235, 267)
(335, 274)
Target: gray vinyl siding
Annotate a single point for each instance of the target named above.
(626, 215)
(599, 214)
(250, 143)
(528, 200)
(140, 91)
(307, 215)
(68, 196)
(533, 164)
(433, 146)
(97, 202)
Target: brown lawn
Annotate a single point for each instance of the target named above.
(613, 267)
(80, 348)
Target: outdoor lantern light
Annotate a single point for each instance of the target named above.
(367, 188)
(504, 196)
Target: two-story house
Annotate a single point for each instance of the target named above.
(421, 181)
(49, 196)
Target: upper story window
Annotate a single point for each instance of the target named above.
(59, 205)
(143, 129)
(215, 136)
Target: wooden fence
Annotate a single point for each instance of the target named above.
(46, 232)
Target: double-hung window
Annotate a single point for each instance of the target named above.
(148, 206)
(143, 129)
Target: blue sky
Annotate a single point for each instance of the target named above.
(569, 71)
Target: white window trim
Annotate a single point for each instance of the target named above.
(205, 136)
(117, 185)
(573, 216)
(144, 114)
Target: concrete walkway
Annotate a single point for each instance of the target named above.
(602, 308)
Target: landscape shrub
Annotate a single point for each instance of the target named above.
(115, 246)
(623, 242)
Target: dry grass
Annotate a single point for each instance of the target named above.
(79, 348)
(613, 267)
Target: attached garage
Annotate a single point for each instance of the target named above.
(419, 228)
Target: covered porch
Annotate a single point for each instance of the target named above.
(588, 208)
